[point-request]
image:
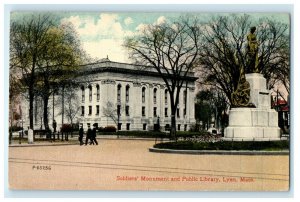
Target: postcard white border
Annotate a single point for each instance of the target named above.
(142, 8)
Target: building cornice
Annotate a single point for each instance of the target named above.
(124, 68)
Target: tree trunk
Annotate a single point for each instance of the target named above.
(45, 114)
(53, 106)
(31, 100)
(62, 105)
(46, 96)
(11, 124)
(173, 123)
(31, 91)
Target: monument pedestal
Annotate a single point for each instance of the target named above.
(260, 123)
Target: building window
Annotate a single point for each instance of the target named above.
(90, 110)
(144, 126)
(155, 111)
(166, 112)
(185, 127)
(90, 93)
(98, 92)
(143, 94)
(166, 96)
(119, 93)
(127, 110)
(119, 126)
(178, 128)
(184, 111)
(143, 111)
(128, 126)
(97, 109)
(184, 97)
(154, 95)
(82, 94)
(167, 127)
(178, 112)
(82, 110)
(127, 93)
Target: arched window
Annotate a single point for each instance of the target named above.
(90, 93)
(143, 94)
(127, 93)
(98, 92)
(82, 93)
(119, 93)
(154, 95)
(166, 96)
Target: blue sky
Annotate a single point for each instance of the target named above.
(102, 34)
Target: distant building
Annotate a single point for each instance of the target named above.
(138, 94)
(283, 109)
(138, 98)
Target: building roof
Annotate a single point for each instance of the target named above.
(105, 65)
(281, 104)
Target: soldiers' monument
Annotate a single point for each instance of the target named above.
(251, 116)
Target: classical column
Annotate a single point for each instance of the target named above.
(107, 93)
(191, 105)
(136, 100)
(150, 104)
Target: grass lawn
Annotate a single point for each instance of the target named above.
(226, 145)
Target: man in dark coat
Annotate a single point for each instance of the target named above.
(93, 137)
(88, 135)
(81, 135)
(54, 126)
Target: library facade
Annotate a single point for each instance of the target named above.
(132, 97)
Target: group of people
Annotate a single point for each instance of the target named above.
(90, 135)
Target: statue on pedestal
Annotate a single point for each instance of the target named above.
(252, 52)
(241, 96)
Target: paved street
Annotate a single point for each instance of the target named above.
(128, 165)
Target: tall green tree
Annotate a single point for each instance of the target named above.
(27, 39)
(47, 54)
(58, 63)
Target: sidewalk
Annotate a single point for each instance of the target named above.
(74, 141)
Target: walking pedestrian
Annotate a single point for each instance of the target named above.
(80, 138)
(88, 135)
(54, 126)
(93, 136)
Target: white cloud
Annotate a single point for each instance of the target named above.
(128, 21)
(75, 20)
(102, 37)
(106, 26)
(107, 47)
(141, 27)
(161, 20)
(105, 35)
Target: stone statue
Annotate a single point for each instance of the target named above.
(252, 52)
(241, 96)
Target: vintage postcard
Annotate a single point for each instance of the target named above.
(147, 101)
